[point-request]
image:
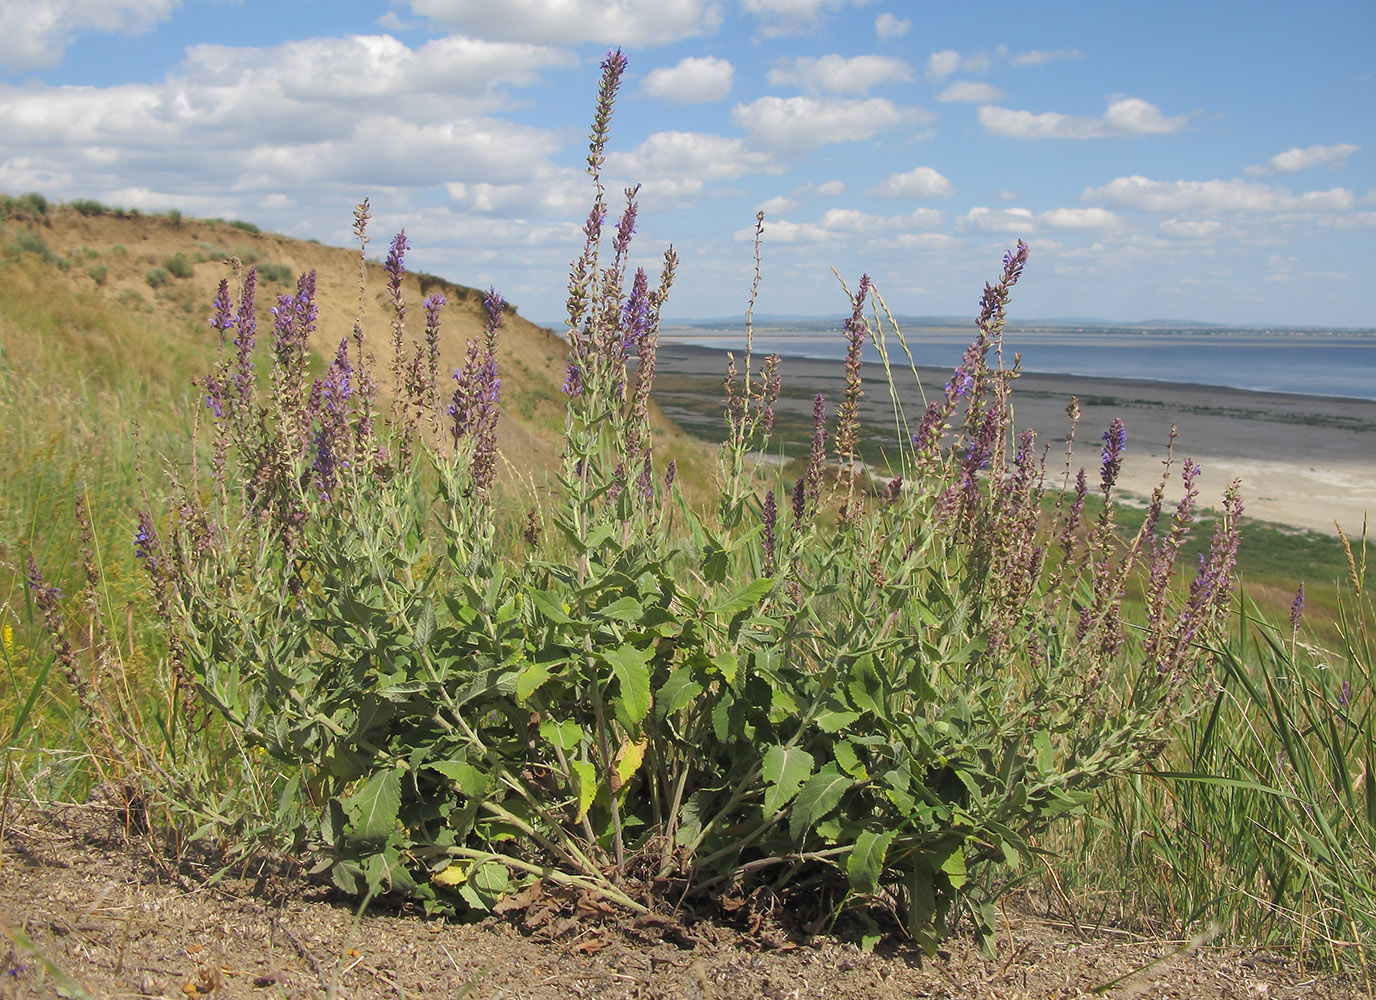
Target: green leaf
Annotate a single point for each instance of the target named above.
(677, 691)
(630, 667)
(831, 720)
(549, 606)
(922, 907)
(373, 809)
(585, 776)
(818, 797)
(785, 769)
(626, 609)
(728, 665)
(746, 598)
(471, 781)
(849, 760)
(528, 681)
(866, 861)
(385, 872)
(565, 735)
(865, 688)
(954, 867)
(425, 624)
(491, 879)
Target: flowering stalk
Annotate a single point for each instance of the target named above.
(848, 418)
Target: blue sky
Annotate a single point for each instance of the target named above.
(1207, 161)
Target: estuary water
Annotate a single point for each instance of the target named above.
(1311, 363)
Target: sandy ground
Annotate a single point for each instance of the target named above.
(1305, 461)
(87, 911)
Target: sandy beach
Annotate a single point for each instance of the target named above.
(1304, 461)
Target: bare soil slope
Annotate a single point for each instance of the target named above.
(87, 910)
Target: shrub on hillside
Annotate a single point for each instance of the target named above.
(89, 207)
(860, 696)
(178, 266)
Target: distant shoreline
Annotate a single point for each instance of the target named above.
(1305, 461)
(1332, 365)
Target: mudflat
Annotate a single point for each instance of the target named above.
(1304, 461)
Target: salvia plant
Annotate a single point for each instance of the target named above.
(881, 691)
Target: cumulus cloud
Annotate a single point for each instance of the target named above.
(1192, 229)
(845, 223)
(315, 118)
(680, 164)
(942, 64)
(35, 33)
(787, 17)
(797, 125)
(837, 75)
(1213, 196)
(566, 22)
(1302, 159)
(970, 92)
(922, 182)
(776, 205)
(1127, 116)
(828, 189)
(1078, 218)
(889, 26)
(997, 220)
(692, 81)
(1038, 57)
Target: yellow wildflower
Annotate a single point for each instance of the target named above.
(7, 633)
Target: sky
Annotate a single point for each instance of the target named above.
(1206, 161)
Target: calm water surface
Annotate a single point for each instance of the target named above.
(1312, 364)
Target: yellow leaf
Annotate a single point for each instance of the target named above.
(628, 761)
(455, 874)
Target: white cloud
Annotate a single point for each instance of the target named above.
(797, 125)
(315, 118)
(922, 182)
(680, 164)
(1128, 116)
(830, 189)
(787, 17)
(997, 220)
(567, 22)
(692, 81)
(35, 33)
(1038, 57)
(942, 64)
(970, 92)
(775, 206)
(1215, 196)
(839, 223)
(1192, 229)
(889, 26)
(1078, 218)
(555, 191)
(1302, 159)
(838, 75)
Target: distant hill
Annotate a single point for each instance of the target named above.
(164, 269)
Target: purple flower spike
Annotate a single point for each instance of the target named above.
(395, 265)
(769, 516)
(1297, 609)
(493, 304)
(573, 380)
(222, 320)
(1115, 442)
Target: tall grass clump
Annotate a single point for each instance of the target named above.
(1260, 819)
(834, 692)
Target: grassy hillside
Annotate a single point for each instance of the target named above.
(104, 327)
